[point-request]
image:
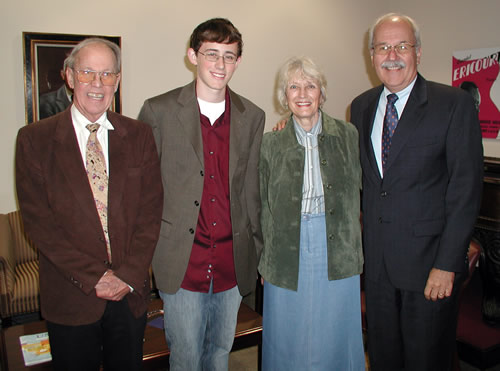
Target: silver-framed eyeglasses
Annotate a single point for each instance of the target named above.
(402, 48)
(87, 76)
(214, 57)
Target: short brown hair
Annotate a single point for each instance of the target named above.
(216, 30)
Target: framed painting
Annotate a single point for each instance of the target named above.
(44, 55)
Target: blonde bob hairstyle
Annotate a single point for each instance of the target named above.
(306, 67)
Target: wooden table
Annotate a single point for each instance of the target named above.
(156, 352)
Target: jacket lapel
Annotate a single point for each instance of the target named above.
(118, 163)
(368, 119)
(189, 119)
(331, 132)
(236, 131)
(69, 160)
(409, 120)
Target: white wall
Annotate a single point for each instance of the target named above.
(155, 35)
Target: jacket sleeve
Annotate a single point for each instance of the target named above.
(266, 217)
(253, 194)
(464, 156)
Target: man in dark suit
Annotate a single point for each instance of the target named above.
(55, 101)
(89, 189)
(208, 138)
(421, 196)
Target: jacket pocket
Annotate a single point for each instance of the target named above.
(428, 228)
(165, 228)
(134, 171)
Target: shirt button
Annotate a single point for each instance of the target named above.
(383, 193)
(214, 223)
(323, 162)
(196, 203)
(209, 271)
(215, 246)
(212, 177)
(210, 266)
(202, 173)
(212, 199)
(211, 152)
(191, 230)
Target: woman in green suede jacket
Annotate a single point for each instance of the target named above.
(310, 180)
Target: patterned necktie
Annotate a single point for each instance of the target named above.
(390, 123)
(98, 179)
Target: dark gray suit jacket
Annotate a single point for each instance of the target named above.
(175, 119)
(421, 214)
(53, 102)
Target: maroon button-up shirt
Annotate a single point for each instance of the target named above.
(212, 253)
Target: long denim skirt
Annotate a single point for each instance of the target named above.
(317, 327)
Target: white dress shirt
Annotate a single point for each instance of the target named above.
(378, 123)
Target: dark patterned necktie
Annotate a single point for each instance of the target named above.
(98, 179)
(390, 123)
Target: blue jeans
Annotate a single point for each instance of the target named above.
(200, 328)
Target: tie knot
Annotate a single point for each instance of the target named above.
(392, 98)
(92, 127)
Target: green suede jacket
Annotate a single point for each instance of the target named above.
(281, 176)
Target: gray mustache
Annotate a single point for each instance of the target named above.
(392, 64)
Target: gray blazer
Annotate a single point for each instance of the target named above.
(175, 119)
(53, 102)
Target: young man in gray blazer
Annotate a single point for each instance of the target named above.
(208, 139)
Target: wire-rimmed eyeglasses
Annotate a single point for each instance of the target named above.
(214, 57)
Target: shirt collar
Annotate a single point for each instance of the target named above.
(316, 129)
(403, 94)
(81, 121)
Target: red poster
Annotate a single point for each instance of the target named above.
(476, 71)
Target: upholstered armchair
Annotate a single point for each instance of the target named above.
(19, 283)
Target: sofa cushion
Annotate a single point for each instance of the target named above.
(24, 249)
(26, 298)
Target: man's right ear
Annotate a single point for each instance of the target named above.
(193, 58)
(70, 78)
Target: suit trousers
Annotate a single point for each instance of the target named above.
(115, 341)
(408, 332)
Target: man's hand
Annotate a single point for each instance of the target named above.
(111, 287)
(439, 284)
(280, 125)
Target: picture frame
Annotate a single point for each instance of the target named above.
(44, 55)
